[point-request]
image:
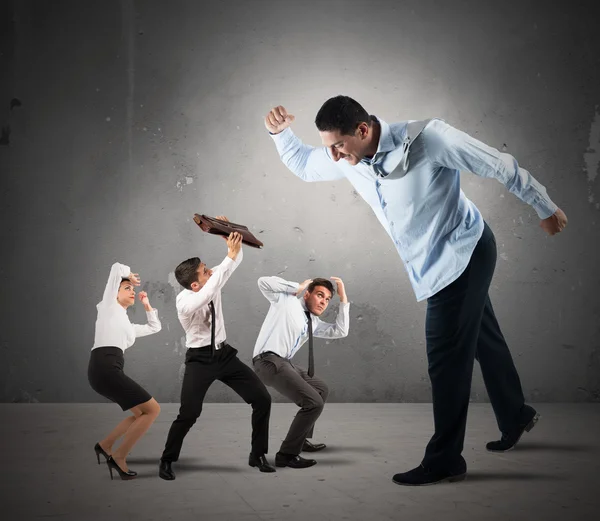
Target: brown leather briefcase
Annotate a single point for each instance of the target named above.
(224, 228)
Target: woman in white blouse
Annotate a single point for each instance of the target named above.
(114, 334)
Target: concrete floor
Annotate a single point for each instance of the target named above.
(50, 470)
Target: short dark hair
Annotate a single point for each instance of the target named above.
(186, 272)
(343, 114)
(321, 282)
(124, 279)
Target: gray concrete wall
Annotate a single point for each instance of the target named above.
(135, 115)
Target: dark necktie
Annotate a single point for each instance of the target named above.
(212, 328)
(311, 355)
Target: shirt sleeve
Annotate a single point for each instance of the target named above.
(153, 325)
(449, 147)
(339, 329)
(238, 259)
(273, 287)
(194, 301)
(117, 273)
(236, 262)
(306, 162)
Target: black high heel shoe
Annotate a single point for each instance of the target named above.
(112, 464)
(99, 450)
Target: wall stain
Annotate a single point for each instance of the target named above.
(24, 397)
(163, 291)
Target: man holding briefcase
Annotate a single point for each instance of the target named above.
(209, 357)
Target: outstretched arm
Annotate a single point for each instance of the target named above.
(216, 281)
(451, 148)
(306, 162)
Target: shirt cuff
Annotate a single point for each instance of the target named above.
(125, 270)
(154, 312)
(544, 208)
(283, 137)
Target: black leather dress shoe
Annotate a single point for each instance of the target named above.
(294, 462)
(423, 476)
(165, 471)
(509, 440)
(312, 447)
(260, 462)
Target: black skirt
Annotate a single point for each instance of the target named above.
(106, 376)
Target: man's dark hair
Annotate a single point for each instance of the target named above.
(321, 282)
(186, 272)
(343, 114)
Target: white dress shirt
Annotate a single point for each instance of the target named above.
(193, 310)
(113, 327)
(434, 226)
(285, 328)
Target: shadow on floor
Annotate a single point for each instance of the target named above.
(512, 476)
(143, 460)
(332, 461)
(554, 447)
(343, 448)
(183, 468)
(187, 465)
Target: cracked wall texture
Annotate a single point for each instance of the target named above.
(120, 120)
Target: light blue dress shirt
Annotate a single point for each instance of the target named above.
(285, 329)
(433, 225)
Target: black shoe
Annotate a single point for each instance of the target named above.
(509, 440)
(112, 464)
(260, 462)
(99, 450)
(423, 476)
(312, 447)
(294, 462)
(165, 471)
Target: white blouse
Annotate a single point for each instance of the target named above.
(113, 327)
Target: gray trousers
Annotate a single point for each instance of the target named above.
(293, 382)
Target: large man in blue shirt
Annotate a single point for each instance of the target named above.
(409, 173)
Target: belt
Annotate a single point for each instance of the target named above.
(220, 345)
(263, 355)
